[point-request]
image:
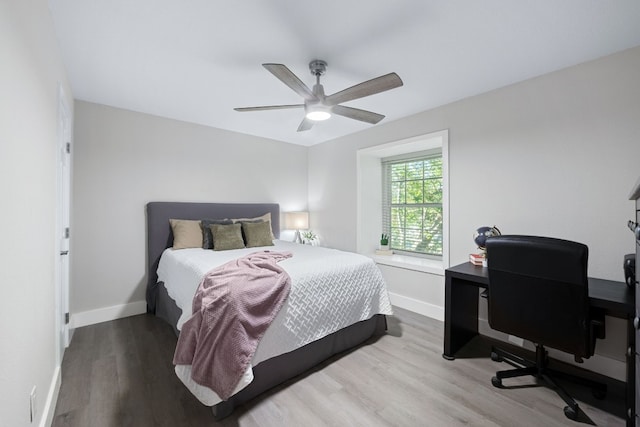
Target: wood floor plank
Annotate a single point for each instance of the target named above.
(120, 374)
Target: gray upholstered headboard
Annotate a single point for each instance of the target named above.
(160, 237)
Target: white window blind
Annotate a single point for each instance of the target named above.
(412, 203)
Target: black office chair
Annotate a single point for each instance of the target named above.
(539, 291)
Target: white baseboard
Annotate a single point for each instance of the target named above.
(91, 317)
(52, 398)
(417, 306)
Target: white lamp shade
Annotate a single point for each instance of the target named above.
(296, 220)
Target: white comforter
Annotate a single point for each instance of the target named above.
(330, 290)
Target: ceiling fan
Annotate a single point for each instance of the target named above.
(320, 107)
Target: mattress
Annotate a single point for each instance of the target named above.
(330, 290)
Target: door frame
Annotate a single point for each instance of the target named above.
(63, 209)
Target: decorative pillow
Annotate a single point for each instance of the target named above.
(186, 233)
(266, 218)
(226, 236)
(257, 233)
(207, 240)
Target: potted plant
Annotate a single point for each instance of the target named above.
(309, 237)
(384, 242)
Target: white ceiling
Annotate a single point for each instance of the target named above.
(196, 60)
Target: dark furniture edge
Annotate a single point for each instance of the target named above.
(613, 296)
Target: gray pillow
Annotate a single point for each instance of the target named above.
(257, 233)
(226, 236)
(266, 217)
(207, 240)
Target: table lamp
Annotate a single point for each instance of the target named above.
(296, 221)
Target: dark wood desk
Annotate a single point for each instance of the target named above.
(462, 284)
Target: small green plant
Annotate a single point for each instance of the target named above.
(309, 236)
(384, 239)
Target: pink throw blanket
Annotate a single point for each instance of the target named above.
(232, 309)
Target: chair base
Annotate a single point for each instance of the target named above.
(540, 370)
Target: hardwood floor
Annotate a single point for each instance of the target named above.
(119, 373)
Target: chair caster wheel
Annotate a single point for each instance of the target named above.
(497, 382)
(570, 413)
(495, 357)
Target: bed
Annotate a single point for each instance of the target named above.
(271, 371)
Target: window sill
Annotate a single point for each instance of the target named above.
(410, 263)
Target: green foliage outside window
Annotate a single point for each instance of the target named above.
(416, 206)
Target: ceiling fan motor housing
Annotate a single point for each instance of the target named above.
(315, 109)
(317, 67)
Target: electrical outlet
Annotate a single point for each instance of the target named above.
(33, 404)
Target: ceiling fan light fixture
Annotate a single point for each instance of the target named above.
(318, 106)
(318, 116)
(318, 113)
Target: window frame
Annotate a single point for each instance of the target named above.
(369, 199)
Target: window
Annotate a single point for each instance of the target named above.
(412, 203)
(372, 186)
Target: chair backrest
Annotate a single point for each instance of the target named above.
(539, 291)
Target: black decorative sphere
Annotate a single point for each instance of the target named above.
(481, 234)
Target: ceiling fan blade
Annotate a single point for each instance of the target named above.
(357, 114)
(287, 77)
(305, 124)
(370, 87)
(269, 107)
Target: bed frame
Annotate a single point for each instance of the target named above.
(268, 373)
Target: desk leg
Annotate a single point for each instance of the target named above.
(631, 386)
(460, 315)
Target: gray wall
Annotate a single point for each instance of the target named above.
(556, 155)
(30, 71)
(124, 159)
